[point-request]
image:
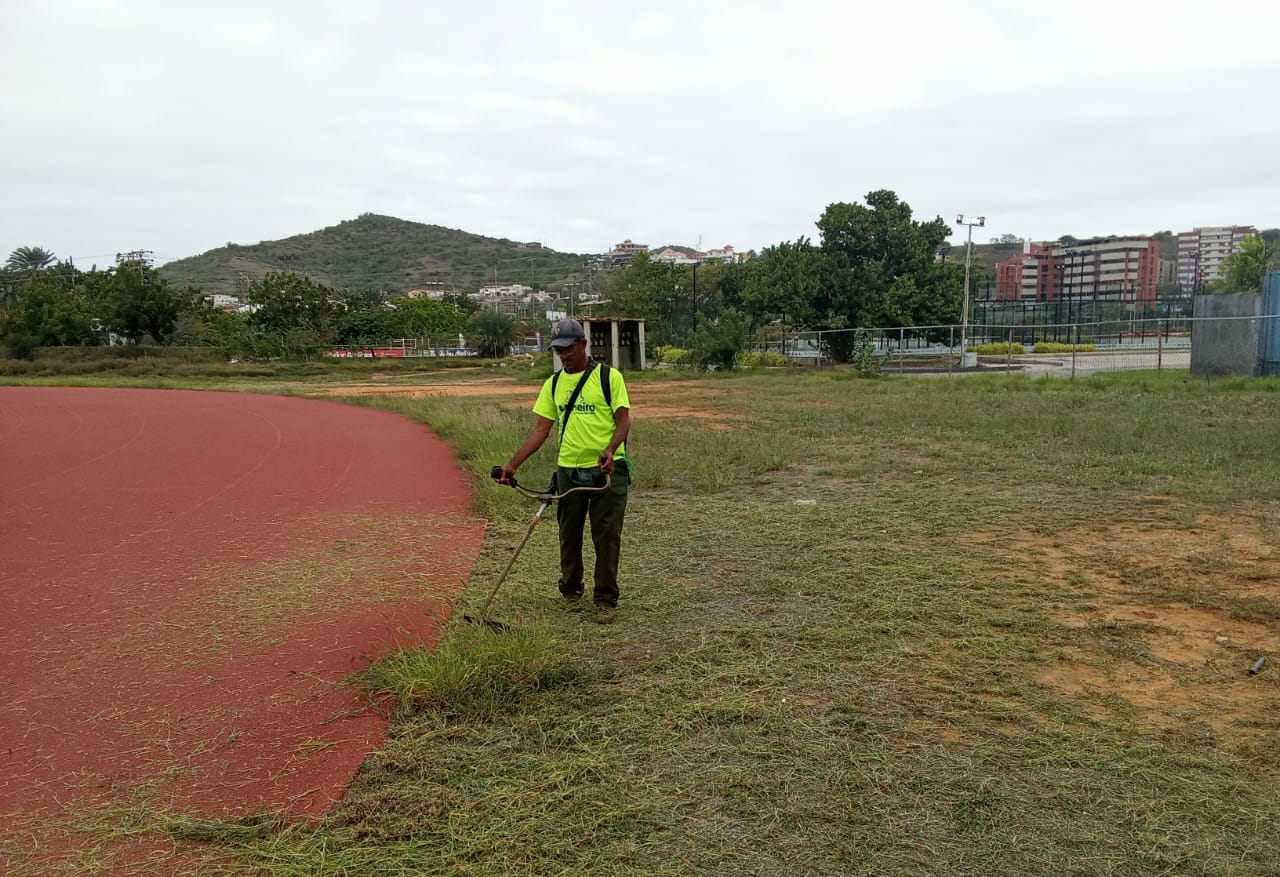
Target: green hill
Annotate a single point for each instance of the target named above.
(380, 252)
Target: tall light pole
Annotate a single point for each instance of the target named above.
(979, 221)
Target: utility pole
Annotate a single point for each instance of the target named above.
(144, 258)
(695, 290)
(979, 221)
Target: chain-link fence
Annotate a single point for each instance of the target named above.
(1065, 350)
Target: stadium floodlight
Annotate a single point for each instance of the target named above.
(979, 221)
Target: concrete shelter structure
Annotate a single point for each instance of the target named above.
(617, 341)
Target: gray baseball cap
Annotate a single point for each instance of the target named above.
(566, 333)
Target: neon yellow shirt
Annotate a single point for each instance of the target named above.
(591, 427)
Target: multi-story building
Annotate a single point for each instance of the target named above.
(1201, 251)
(1022, 277)
(629, 248)
(623, 253)
(508, 290)
(1117, 270)
(724, 254)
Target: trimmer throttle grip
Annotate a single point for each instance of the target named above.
(496, 474)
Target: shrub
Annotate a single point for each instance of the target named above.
(717, 343)
(763, 359)
(862, 356)
(669, 354)
(1000, 348)
(1056, 347)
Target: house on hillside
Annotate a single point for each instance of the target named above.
(674, 257)
(724, 254)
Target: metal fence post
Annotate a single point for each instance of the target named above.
(902, 366)
(1159, 350)
(1008, 353)
(1073, 349)
(951, 344)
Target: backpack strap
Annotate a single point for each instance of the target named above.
(605, 385)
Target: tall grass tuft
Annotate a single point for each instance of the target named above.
(473, 670)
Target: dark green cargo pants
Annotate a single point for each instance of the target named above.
(606, 511)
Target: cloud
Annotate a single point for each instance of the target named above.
(174, 127)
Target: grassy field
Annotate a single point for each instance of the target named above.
(977, 626)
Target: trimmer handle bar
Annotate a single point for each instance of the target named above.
(548, 494)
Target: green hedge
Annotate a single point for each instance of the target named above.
(671, 355)
(1056, 347)
(763, 359)
(1002, 348)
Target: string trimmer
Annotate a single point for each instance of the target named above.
(545, 497)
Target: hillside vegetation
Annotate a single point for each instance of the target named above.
(379, 252)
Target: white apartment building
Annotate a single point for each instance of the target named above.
(224, 302)
(1201, 251)
(498, 290)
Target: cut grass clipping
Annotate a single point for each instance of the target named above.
(473, 671)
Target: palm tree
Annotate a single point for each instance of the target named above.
(29, 259)
(494, 333)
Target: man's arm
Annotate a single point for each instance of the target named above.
(621, 427)
(537, 435)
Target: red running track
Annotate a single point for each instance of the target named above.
(187, 577)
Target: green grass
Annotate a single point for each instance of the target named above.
(838, 627)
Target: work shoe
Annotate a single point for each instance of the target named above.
(606, 614)
(571, 600)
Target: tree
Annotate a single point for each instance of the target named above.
(430, 319)
(1007, 239)
(647, 289)
(493, 333)
(287, 302)
(881, 269)
(200, 324)
(369, 326)
(717, 343)
(51, 312)
(1244, 270)
(361, 299)
(135, 302)
(784, 283)
(29, 259)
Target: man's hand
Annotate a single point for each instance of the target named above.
(606, 462)
(507, 475)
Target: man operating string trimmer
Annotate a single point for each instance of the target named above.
(588, 404)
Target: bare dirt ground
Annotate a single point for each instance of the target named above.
(1181, 615)
(513, 395)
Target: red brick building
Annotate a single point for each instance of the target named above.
(1119, 270)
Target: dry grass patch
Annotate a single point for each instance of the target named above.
(1169, 617)
(489, 387)
(362, 560)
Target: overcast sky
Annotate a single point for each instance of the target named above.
(179, 126)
